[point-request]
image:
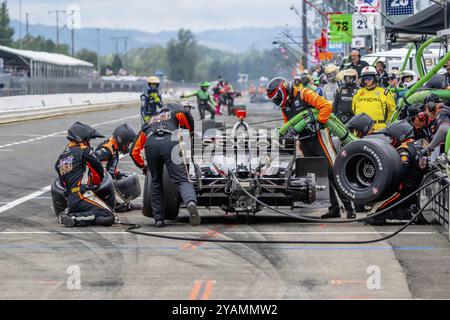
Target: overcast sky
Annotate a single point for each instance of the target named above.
(159, 15)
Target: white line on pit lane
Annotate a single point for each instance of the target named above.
(226, 233)
(19, 201)
(34, 195)
(62, 132)
(6, 150)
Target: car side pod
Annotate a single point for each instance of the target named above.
(367, 170)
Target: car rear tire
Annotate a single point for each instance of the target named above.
(367, 171)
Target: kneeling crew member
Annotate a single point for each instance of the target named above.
(159, 137)
(316, 142)
(402, 138)
(79, 172)
(439, 115)
(419, 119)
(109, 152)
(361, 125)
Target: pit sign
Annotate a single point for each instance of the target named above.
(367, 6)
(341, 28)
(399, 7)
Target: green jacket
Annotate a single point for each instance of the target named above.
(201, 95)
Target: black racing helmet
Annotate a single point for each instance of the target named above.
(432, 101)
(417, 110)
(125, 136)
(80, 132)
(362, 123)
(278, 91)
(398, 132)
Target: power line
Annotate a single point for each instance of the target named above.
(125, 39)
(57, 12)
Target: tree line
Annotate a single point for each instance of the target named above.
(182, 59)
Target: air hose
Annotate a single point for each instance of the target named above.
(420, 97)
(303, 119)
(419, 54)
(132, 228)
(419, 85)
(405, 63)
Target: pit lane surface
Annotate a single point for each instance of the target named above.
(39, 259)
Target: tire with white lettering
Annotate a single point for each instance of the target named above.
(58, 197)
(367, 171)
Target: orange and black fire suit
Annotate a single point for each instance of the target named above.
(79, 172)
(159, 139)
(108, 152)
(316, 143)
(412, 176)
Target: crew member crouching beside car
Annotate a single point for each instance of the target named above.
(401, 134)
(79, 173)
(109, 152)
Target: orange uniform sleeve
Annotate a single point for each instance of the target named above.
(183, 121)
(320, 103)
(137, 148)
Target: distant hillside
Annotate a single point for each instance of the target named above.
(233, 40)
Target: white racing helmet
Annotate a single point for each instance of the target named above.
(408, 74)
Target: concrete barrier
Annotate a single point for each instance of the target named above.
(48, 112)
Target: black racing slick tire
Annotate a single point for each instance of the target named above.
(171, 197)
(58, 197)
(128, 187)
(106, 191)
(147, 199)
(367, 171)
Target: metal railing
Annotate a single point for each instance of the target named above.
(439, 208)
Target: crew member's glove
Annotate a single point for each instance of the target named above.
(144, 171)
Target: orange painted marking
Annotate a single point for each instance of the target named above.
(193, 245)
(208, 290)
(195, 290)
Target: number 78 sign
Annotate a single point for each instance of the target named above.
(341, 27)
(399, 7)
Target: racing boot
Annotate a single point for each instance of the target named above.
(134, 206)
(351, 214)
(375, 221)
(194, 217)
(67, 221)
(160, 224)
(331, 214)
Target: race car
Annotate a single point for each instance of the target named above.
(223, 162)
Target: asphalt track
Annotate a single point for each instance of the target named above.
(39, 259)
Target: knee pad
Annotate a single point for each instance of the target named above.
(106, 221)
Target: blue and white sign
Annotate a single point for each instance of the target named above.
(399, 7)
(336, 47)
